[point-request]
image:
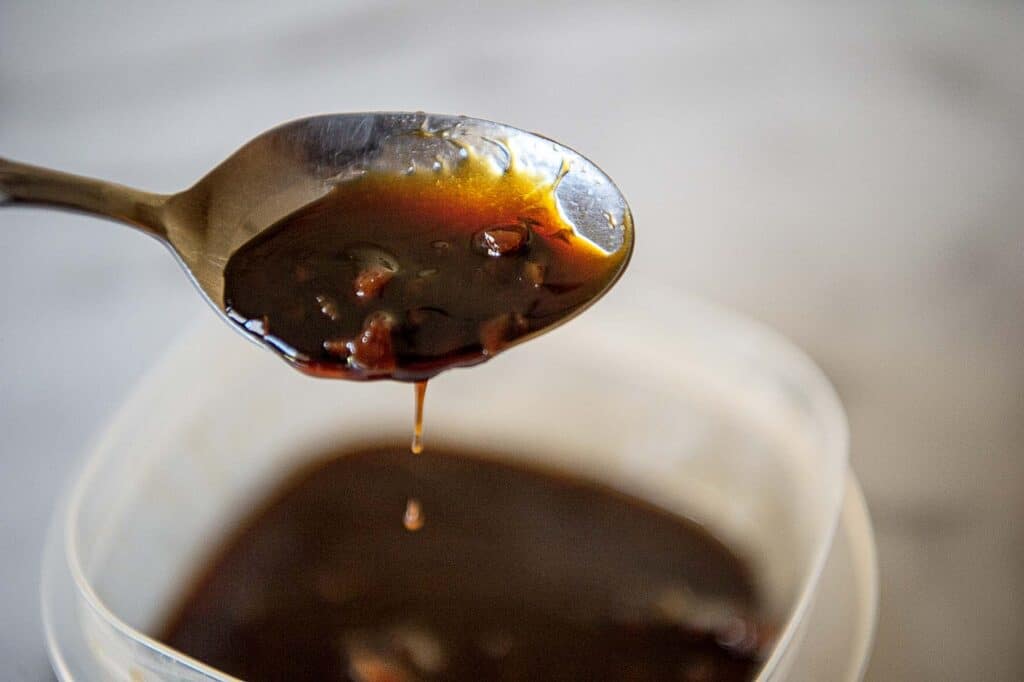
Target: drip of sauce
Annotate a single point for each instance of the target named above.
(522, 575)
(420, 391)
(413, 518)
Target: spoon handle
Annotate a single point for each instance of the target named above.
(21, 183)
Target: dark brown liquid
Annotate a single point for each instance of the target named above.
(519, 575)
(404, 276)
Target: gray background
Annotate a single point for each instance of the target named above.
(852, 174)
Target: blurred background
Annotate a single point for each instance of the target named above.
(851, 174)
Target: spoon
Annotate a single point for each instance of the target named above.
(298, 163)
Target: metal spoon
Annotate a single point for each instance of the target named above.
(299, 162)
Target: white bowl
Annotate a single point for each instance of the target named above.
(670, 399)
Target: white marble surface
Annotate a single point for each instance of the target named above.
(852, 174)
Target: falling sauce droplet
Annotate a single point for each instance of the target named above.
(417, 426)
(413, 519)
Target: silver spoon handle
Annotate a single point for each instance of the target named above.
(21, 183)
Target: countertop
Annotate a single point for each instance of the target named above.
(851, 174)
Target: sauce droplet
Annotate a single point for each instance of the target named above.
(413, 519)
(417, 426)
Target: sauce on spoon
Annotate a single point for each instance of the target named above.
(403, 276)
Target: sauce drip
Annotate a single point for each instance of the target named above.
(420, 391)
(413, 518)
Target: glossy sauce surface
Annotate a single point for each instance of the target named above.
(519, 574)
(402, 276)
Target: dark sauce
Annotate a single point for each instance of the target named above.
(520, 575)
(403, 276)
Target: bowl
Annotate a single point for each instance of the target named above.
(664, 397)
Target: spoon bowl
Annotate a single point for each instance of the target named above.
(300, 162)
